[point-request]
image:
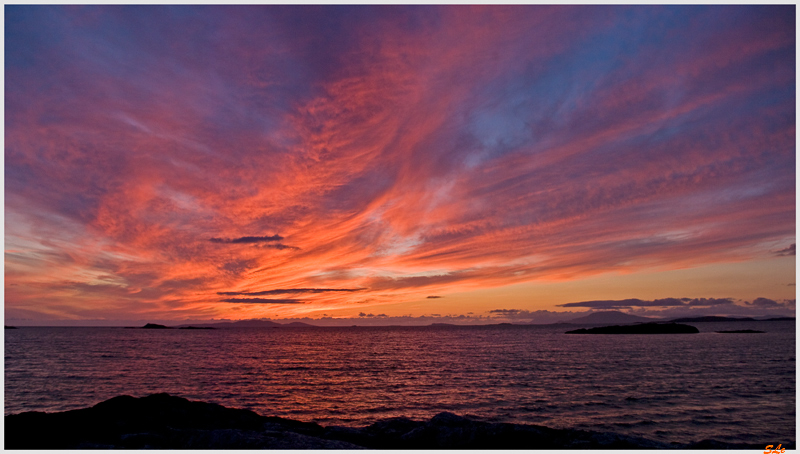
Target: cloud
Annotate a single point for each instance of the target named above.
(664, 302)
(707, 302)
(262, 301)
(765, 308)
(764, 302)
(247, 239)
(281, 247)
(508, 311)
(787, 251)
(393, 283)
(434, 296)
(701, 306)
(536, 317)
(618, 304)
(364, 314)
(474, 161)
(294, 291)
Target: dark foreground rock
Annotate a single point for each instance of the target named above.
(644, 328)
(161, 421)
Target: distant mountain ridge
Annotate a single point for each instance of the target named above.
(249, 324)
(594, 318)
(716, 318)
(712, 318)
(610, 317)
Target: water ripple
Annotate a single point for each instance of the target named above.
(683, 388)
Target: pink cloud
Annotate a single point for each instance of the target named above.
(426, 150)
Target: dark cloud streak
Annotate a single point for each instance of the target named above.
(247, 239)
(262, 301)
(281, 246)
(293, 291)
(664, 302)
(530, 157)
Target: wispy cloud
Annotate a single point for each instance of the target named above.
(664, 302)
(262, 301)
(247, 239)
(405, 150)
(787, 251)
(508, 311)
(282, 247)
(294, 290)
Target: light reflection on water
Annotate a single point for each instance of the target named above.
(730, 387)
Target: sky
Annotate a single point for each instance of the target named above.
(380, 162)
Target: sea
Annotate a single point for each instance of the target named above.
(738, 388)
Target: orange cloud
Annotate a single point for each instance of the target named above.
(400, 151)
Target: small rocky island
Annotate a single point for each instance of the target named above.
(156, 326)
(161, 421)
(642, 328)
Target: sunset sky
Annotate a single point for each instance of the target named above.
(198, 162)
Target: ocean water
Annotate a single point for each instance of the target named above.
(682, 388)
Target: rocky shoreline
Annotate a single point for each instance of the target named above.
(161, 421)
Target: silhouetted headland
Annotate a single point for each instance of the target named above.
(161, 421)
(10, 327)
(644, 328)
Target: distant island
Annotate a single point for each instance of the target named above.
(643, 328)
(156, 326)
(161, 421)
